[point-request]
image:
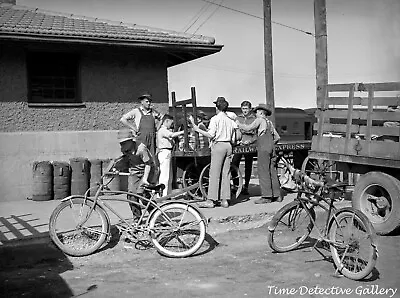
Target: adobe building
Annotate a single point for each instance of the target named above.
(65, 81)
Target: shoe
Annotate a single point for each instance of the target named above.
(244, 191)
(206, 204)
(263, 200)
(224, 203)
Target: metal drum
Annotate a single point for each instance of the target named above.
(42, 181)
(80, 175)
(62, 180)
(95, 174)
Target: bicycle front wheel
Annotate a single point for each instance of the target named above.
(70, 235)
(290, 227)
(177, 230)
(353, 249)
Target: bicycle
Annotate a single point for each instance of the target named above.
(347, 231)
(80, 225)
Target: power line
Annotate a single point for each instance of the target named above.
(209, 17)
(196, 17)
(254, 16)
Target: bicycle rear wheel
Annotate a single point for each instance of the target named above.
(353, 249)
(290, 227)
(70, 235)
(177, 230)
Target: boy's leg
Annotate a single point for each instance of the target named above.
(236, 161)
(248, 166)
(218, 154)
(134, 187)
(164, 158)
(276, 187)
(226, 175)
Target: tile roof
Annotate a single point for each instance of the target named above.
(19, 21)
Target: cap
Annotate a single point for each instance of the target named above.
(125, 135)
(145, 95)
(263, 106)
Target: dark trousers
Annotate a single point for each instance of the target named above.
(248, 165)
(267, 174)
(135, 187)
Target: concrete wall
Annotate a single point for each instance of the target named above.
(19, 150)
(111, 80)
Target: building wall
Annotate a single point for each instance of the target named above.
(110, 83)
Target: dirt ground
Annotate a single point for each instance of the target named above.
(231, 264)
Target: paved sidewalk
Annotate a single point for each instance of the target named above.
(24, 222)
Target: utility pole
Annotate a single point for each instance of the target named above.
(321, 51)
(269, 71)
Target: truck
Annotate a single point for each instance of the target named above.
(357, 137)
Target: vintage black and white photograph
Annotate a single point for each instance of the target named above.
(199, 148)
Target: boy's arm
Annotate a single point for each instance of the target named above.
(145, 178)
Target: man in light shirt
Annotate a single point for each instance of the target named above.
(142, 121)
(220, 131)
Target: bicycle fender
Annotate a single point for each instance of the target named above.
(274, 221)
(98, 205)
(187, 204)
(358, 213)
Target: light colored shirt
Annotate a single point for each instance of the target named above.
(135, 116)
(221, 128)
(164, 138)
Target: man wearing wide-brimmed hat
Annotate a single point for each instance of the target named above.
(138, 161)
(142, 121)
(220, 131)
(267, 137)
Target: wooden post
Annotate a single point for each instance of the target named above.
(269, 71)
(321, 51)
(321, 64)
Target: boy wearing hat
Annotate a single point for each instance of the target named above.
(142, 121)
(267, 137)
(220, 131)
(138, 161)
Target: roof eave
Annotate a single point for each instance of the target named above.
(177, 52)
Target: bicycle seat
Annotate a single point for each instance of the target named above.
(155, 187)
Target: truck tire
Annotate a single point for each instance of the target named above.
(377, 195)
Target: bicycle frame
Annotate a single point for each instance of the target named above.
(153, 201)
(330, 210)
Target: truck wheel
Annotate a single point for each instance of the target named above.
(377, 195)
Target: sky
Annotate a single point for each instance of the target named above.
(363, 43)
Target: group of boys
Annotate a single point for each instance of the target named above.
(147, 145)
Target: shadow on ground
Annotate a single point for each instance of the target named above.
(33, 271)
